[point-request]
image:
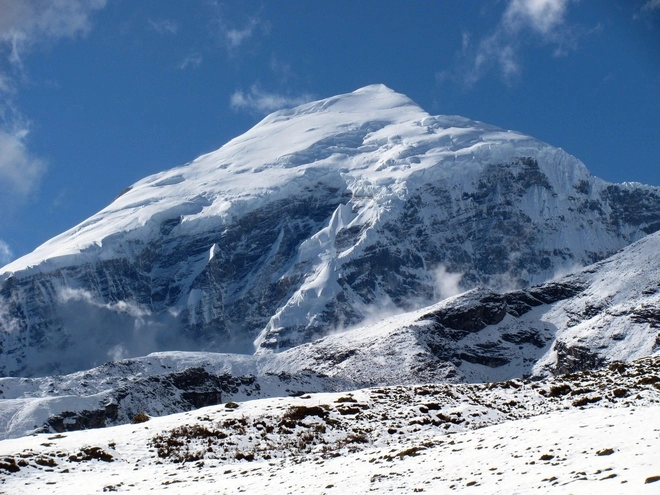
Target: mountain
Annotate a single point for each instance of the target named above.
(605, 314)
(318, 219)
(587, 432)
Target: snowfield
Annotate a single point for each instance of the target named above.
(581, 433)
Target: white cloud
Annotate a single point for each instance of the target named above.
(24, 22)
(54, 18)
(6, 254)
(8, 322)
(542, 16)
(544, 20)
(118, 352)
(646, 12)
(494, 51)
(20, 172)
(191, 61)
(235, 37)
(6, 85)
(164, 26)
(281, 70)
(651, 5)
(446, 284)
(260, 101)
(68, 294)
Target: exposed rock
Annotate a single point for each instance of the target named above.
(575, 358)
(312, 221)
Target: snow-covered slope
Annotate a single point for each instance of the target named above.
(584, 433)
(317, 219)
(608, 311)
(604, 313)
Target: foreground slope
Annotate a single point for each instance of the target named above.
(580, 433)
(313, 221)
(607, 312)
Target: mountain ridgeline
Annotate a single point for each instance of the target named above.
(318, 219)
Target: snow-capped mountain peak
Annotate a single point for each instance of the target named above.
(315, 220)
(361, 135)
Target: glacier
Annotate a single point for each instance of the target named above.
(319, 219)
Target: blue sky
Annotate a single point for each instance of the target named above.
(96, 94)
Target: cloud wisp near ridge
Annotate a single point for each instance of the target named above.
(522, 22)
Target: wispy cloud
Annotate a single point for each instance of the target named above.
(191, 61)
(6, 254)
(236, 35)
(282, 71)
(542, 16)
(647, 12)
(447, 284)
(19, 170)
(164, 26)
(651, 5)
(260, 101)
(523, 21)
(68, 294)
(23, 24)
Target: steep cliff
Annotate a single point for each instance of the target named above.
(317, 219)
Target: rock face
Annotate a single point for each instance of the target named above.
(317, 219)
(603, 314)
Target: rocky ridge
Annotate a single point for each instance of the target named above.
(540, 435)
(608, 312)
(313, 221)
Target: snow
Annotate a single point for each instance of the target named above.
(375, 147)
(513, 437)
(618, 286)
(346, 139)
(605, 317)
(507, 436)
(372, 156)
